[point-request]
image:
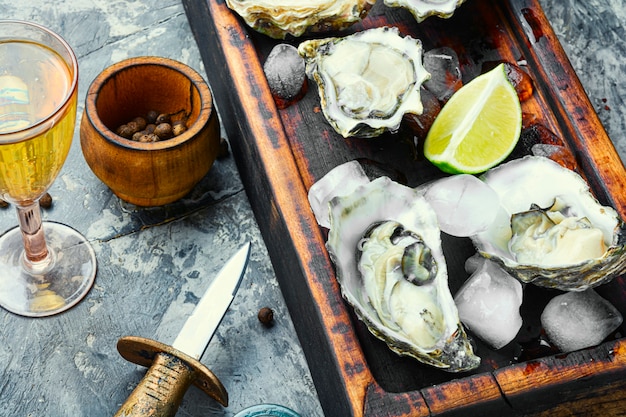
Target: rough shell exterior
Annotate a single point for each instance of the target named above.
(366, 81)
(279, 18)
(421, 9)
(382, 200)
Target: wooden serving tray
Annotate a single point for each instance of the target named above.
(282, 152)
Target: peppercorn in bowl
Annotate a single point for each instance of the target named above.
(149, 130)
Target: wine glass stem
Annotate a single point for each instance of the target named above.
(36, 255)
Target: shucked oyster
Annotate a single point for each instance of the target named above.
(278, 18)
(366, 81)
(551, 231)
(385, 243)
(421, 9)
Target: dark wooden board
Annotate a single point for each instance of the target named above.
(281, 152)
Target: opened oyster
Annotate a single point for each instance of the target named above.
(385, 243)
(421, 9)
(278, 18)
(366, 81)
(551, 231)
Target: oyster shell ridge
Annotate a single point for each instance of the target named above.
(316, 52)
(422, 9)
(575, 277)
(278, 19)
(453, 352)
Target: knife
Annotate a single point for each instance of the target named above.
(172, 369)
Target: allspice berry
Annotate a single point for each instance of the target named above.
(125, 131)
(163, 130)
(133, 127)
(45, 201)
(153, 127)
(137, 135)
(151, 116)
(140, 122)
(148, 137)
(162, 118)
(266, 316)
(178, 127)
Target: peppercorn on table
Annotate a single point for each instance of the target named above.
(155, 263)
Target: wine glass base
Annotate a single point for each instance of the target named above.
(60, 287)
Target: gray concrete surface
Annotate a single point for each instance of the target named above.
(153, 263)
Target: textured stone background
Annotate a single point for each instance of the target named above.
(153, 263)
(593, 34)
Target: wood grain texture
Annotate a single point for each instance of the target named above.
(149, 173)
(281, 152)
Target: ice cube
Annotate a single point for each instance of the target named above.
(488, 304)
(522, 82)
(339, 181)
(420, 124)
(284, 69)
(445, 72)
(464, 204)
(577, 320)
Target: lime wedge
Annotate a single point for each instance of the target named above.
(478, 127)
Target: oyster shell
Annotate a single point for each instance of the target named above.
(421, 9)
(547, 215)
(279, 18)
(366, 81)
(385, 244)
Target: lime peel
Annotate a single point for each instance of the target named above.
(487, 107)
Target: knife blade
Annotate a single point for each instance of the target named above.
(199, 328)
(172, 369)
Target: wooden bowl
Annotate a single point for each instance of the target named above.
(153, 173)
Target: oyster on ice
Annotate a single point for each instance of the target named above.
(421, 9)
(366, 81)
(385, 244)
(278, 18)
(551, 231)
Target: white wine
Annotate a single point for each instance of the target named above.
(15, 103)
(44, 272)
(34, 84)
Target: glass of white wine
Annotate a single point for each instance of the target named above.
(45, 267)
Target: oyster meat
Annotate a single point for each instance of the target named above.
(551, 231)
(366, 81)
(385, 244)
(421, 9)
(279, 18)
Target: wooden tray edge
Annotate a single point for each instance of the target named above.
(305, 240)
(543, 50)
